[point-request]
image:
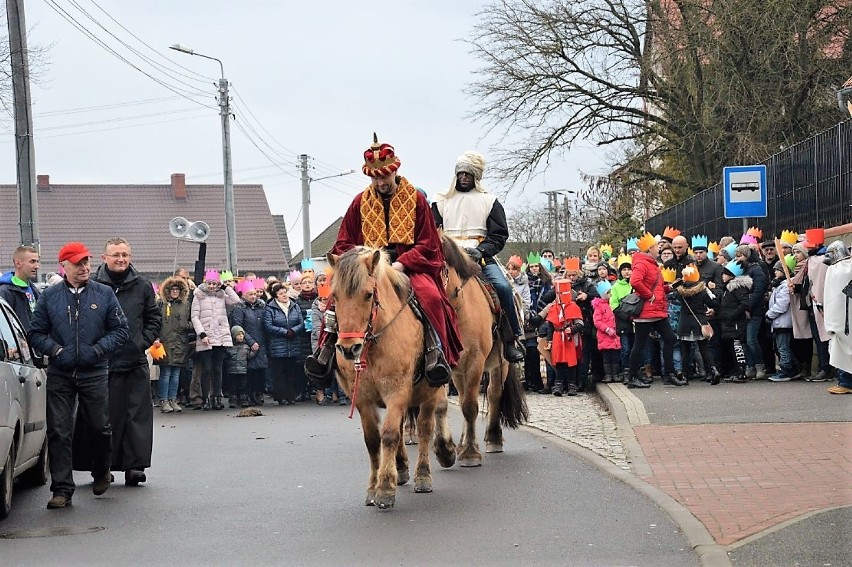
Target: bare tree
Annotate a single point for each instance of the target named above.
(39, 63)
(695, 84)
(529, 228)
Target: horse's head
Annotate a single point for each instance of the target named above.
(359, 276)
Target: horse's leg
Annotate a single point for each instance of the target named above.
(411, 426)
(391, 438)
(370, 425)
(493, 431)
(445, 448)
(425, 430)
(402, 474)
(468, 451)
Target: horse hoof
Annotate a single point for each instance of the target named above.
(385, 503)
(371, 500)
(493, 447)
(470, 462)
(402, 477)
(422, 486)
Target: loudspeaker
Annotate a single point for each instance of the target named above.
(179, 227)
(198, 231)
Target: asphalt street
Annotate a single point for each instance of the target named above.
(289, 488)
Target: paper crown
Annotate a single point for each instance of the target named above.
(603, 286)
(670, 232)
(814, 237)
(515, 260)
(669, 274)
(714, 248)
(380, 159)
(259, 284)
(533, 258)
(606, 251)
(748, 239)
(699, 242)
(690, 274)
(647, 241)
(211, 276)
(789, 238)
(556, 264)
(790, 260)
(563, 291)
(730, 250)
(572, 264)
(755, 232)
(324, 289)
(307, 264)
(226, 276)
(734, 268)
(243, 286)
(624, 260)
(632, 244)
(295, 276)
(547, 264)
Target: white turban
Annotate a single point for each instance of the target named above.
(471, 162)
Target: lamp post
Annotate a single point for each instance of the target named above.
(307, 253)
(225, 114)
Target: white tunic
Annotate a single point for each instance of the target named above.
(465, 216)
(837, 310)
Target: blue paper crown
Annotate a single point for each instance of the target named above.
(603, 286)
(730, 250)
(735, 268)
(632, 244)
(307, 264)
(699, 241)
(547, 264)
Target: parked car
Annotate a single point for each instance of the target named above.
(23, 411)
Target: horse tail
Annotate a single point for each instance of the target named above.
(513, 403)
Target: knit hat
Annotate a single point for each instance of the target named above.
(778, 267)
(380, 159)
(602, 287)
(800, 246)
(235, 330)
(743, 250)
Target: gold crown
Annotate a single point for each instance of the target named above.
(670, 233)
(714, 247)
(646, 242)
(624, 259)
(606, 250)
(690, 274)
(669, 274)
(789, 237)
(755, 232)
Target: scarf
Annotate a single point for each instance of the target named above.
(400, 226)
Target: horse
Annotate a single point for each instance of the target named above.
(379, 352)
(482, 355)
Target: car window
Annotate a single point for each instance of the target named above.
(14, 338)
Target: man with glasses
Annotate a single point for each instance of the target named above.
(131, 412)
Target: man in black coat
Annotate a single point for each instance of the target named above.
(131, 412)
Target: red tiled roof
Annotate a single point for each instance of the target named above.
(141, 214)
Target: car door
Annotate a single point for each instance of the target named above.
(31, 383)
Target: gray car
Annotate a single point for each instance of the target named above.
(23, 411)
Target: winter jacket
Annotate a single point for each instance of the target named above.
(305, 301)
(733, 306)
(646, 275)
(249, 316)
(136, 296)
(760, 285)
(779, 311)
(678, 264)
(21, 299)
(585, 285)
(521, 284)
(174, 332)
(238, 358)
(316, 323)
(87, 324)
(278, 326)
(620, 289)
(538, 290)
(605, 321)
(711, 271)
(210, 316)
(694, 299)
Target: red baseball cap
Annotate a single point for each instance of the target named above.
(75, 252)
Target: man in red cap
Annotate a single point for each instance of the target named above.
(78, 324)
(392, 214)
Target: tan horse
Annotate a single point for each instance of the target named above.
(482, 355)
(379, 349)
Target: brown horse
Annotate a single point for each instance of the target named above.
(483, 354)
(379, 349)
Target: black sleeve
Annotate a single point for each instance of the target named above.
(439, 220)
(498, 231)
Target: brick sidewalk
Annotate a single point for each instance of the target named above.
(740, 479)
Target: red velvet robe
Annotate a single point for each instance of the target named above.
(567, 347)
(423, 263)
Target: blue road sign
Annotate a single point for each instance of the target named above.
(745, 191)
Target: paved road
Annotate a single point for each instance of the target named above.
(289, 487)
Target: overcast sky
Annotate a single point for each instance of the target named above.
(307, 77)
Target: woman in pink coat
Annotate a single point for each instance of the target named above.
(609, 343)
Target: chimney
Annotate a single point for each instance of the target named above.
(179, 186)
(43, 182)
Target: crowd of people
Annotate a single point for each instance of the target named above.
(684, 310)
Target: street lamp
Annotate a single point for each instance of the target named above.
(306, 203)
(225, 114)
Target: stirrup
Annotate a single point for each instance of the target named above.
(512, 352)
(437, 369)
(319, 366)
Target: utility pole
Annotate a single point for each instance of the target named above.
(553, 219)
(567, 211)
(306, 206)
(24, 146)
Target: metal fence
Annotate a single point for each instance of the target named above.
(809, 185)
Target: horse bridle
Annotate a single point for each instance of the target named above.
(368, 335)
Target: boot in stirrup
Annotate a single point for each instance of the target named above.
(437, 368)
(320, 364)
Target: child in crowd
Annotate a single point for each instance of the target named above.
(781, 316)
(520, 282)
(696, 304)
(174, 336)
(609, 342)
(333, 393)
(623, 324)
(732, 313)
(562, 330)
(237, 365)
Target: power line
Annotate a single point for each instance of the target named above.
(105, 106)
(119, 119)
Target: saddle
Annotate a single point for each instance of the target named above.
(491, 294)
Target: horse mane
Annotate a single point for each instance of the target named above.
(459, 260)
(350, 272)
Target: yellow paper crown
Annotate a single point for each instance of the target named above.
(690, 274)
(714, 247)
(669, 274)
(789, 237)
(755, 232)
(624, 259)
(646, 242)
(606, 251)
(670, 232)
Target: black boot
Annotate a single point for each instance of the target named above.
(205, 405)
(512, 352)
(572, 389)
(715, 376)
(607, 373)
(319, 366)
(635, 382)
(675, 380)
(558, 386)
(437, 368)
